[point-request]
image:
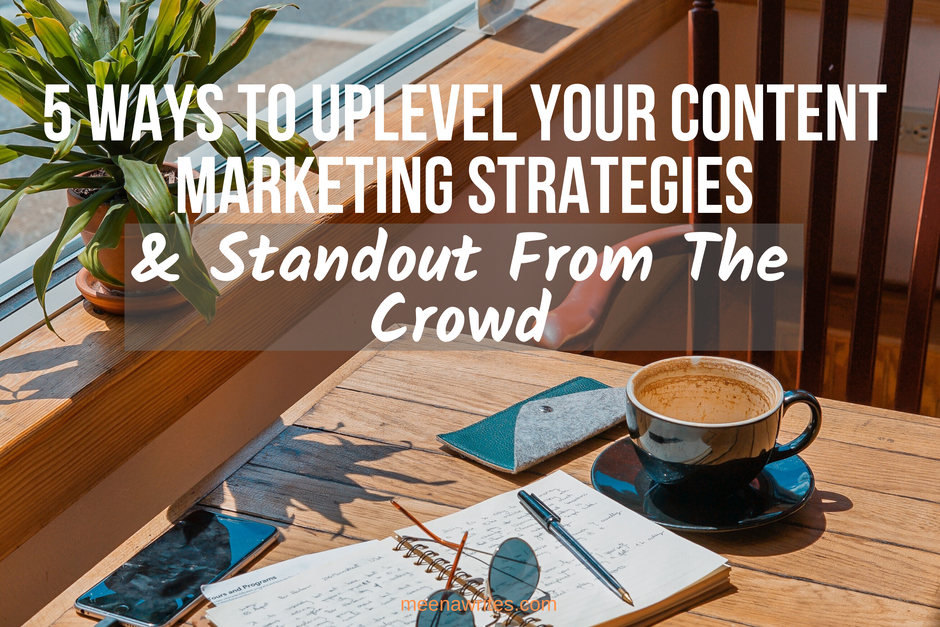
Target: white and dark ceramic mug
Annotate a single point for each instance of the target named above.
(707, 425)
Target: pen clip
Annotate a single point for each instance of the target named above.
(539, 510)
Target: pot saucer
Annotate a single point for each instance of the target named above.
(779, 490)
(115, 302)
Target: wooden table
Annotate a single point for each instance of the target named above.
(864, 551)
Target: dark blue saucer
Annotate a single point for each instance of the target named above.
(779, 490)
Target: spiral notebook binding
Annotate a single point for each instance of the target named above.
(463, 583)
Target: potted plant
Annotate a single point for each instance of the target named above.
(120, 180)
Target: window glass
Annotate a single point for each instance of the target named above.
(299, 45)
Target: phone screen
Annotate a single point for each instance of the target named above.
(155, 585)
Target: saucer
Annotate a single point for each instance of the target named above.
(779, 490)
(118, 302)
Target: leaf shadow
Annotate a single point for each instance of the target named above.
(309, 477)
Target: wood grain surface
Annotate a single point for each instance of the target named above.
(864, 551)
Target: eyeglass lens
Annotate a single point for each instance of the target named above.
(450, 610)
(514, 572)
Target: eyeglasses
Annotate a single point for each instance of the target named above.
(512, 579)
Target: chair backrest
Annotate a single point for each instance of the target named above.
(576, 323)
(703, 69)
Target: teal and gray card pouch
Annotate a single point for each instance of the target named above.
(540, 427)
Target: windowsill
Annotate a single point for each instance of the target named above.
(73, 411)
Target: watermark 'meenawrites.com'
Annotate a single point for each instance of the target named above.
(483, 605)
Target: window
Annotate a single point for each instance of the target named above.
(297, 47)
(329, 41)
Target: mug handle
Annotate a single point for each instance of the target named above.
(632, 427)
(783, 451)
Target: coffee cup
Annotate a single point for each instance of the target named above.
(707, 425)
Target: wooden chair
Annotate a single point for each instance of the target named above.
(576, 323)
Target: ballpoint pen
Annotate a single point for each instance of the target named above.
(551, 522)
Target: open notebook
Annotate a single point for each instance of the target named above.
(372, 584)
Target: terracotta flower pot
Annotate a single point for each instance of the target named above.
(151, 296)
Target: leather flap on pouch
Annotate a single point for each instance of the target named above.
(540, 427)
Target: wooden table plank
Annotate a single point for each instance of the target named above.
(771, 601)
(893, 433)
(449, 379)
(315, 504)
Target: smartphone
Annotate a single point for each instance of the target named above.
(163, 581)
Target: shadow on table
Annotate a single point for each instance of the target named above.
(788, 536)
(344, 471)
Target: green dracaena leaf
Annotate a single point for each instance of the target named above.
(7, 154)
(239, 44)
(146, 148)
(145, 184)
(65, 146)
(133, 15)
(194, 282)
(84, 42)
(228, 145)
(295, 146)
(23, 40)
(103, 73)
(179, 91)
(27, 31)
(12, 38)
(59, 12)
(46, 153)
(35, 8)
(16, 64)
(12, 35)
(47, 176)
(75, 219)
(35, 131)
(75, 182)
(202, 42)
(76, 104)
(123, 45)
(140, 15)
(107, 236)
(38, 71)
(161, 77)
(60, 50)
(124, 64)
(106, 31)
(156, 42)
(184, 24)
(19, 95)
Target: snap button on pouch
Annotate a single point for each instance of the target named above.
(545, 409)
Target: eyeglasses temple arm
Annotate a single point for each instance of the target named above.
(453, 565)
(449, 545)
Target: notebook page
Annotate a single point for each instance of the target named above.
(651, 562)
(363, 592)
(240, 586)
